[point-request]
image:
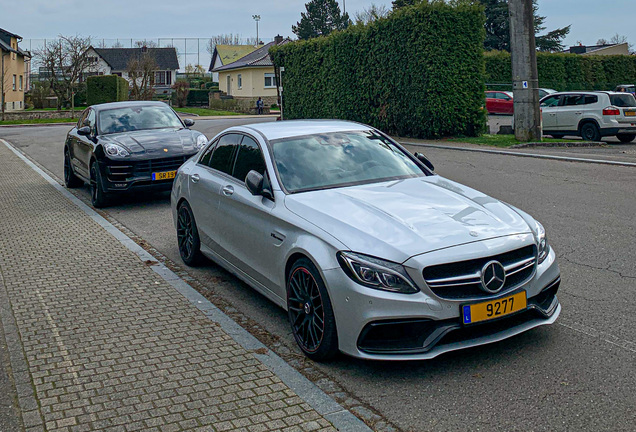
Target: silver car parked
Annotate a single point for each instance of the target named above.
(369, 251)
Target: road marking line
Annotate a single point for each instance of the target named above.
(521, 154)
(589, 331)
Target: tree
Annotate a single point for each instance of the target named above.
(498, 28)
(614, 40)
(65, 62)
(322, 17)
(371, 13)
(141, 74)
(401, 3)
(181, 90)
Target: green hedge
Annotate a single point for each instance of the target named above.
(106, 88)
(211, 85)
(198, 97)
(417, 73)
(566, 71)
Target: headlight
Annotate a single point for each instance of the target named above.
(201, 141)
(115, 150)
(542, 242)
(376, 273)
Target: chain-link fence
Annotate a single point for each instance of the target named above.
(190, 51)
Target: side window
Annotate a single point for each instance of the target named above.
(590, 99)
(551, 101)
(82, 117)
(503, 96)
(90, 121)
(223, 156)
(570, 100)
(205, 159)
(249, 158)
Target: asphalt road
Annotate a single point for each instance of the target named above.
(576, 375)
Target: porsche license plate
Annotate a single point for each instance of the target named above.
(165, 175)
(473, 313)
(630, 113)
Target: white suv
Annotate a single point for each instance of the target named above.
(590, 115)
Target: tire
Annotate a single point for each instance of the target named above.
(188, 236)
(70, 179)
(625, 138)
(99, 198)
(590, 132)
(310, 313)
(557, 136)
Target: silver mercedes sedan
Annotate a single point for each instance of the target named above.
(369, 251)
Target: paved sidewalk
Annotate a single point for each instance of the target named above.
(99, 341)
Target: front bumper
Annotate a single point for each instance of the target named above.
(426, 326)
(120, 176)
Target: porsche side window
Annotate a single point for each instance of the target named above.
(249, 158)
(223, 155)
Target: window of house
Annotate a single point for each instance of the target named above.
(116, 73)
(169, 77)
(14, 82)
(270, 80)
(240, 81)
(160, 78)
(20, 83)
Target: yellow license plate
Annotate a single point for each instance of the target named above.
(630, 113)
(166, 175)
(485, 311)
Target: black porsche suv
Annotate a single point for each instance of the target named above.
(127, 146)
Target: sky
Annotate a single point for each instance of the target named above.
(126, 19)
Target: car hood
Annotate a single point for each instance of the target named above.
(396, 220)
(162, 142)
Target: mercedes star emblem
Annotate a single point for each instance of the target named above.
(493, 277)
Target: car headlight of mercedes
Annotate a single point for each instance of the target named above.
(376, 273)
(201, 141)
(115, 150)
(542, 242)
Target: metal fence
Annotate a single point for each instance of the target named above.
(190, 51)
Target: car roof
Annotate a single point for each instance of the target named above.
(293, 128)
(113, 105)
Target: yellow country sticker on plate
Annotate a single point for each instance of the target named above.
(166, 175)
(473, 313)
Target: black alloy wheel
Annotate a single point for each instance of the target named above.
(188, 236)
(310, 313)
(625, 138)
(70, 179)
(99, 198)
(590, 132)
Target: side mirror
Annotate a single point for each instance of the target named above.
(425, 161)
(188, 122)
(84, 130)
(254, 182)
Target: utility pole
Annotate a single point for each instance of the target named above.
(525, 77)
(257, 18)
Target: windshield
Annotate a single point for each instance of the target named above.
(137, 118)
(623, 100)
(340, 158)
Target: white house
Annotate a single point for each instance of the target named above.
(115, 61)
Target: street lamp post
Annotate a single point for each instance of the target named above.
(257, 18)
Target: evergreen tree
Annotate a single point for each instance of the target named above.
(322, 17)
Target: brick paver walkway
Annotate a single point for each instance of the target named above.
(108, 344)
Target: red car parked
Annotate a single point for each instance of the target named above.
(499, 102)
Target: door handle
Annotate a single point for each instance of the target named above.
(227, 190)
(195, 178)
(578, 113)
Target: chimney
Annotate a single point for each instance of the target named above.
(278, 39)
(144, 49)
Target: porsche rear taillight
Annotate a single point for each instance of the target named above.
(611, 110)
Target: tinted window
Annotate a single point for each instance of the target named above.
(249, 158)
(223, 156)
(623, 100)
(591, 99)
(340, 158)
(550, 101)
(205, 159)
(570, 100)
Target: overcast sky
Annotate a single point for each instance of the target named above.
(125, 19)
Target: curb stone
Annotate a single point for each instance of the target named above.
(305, 389)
